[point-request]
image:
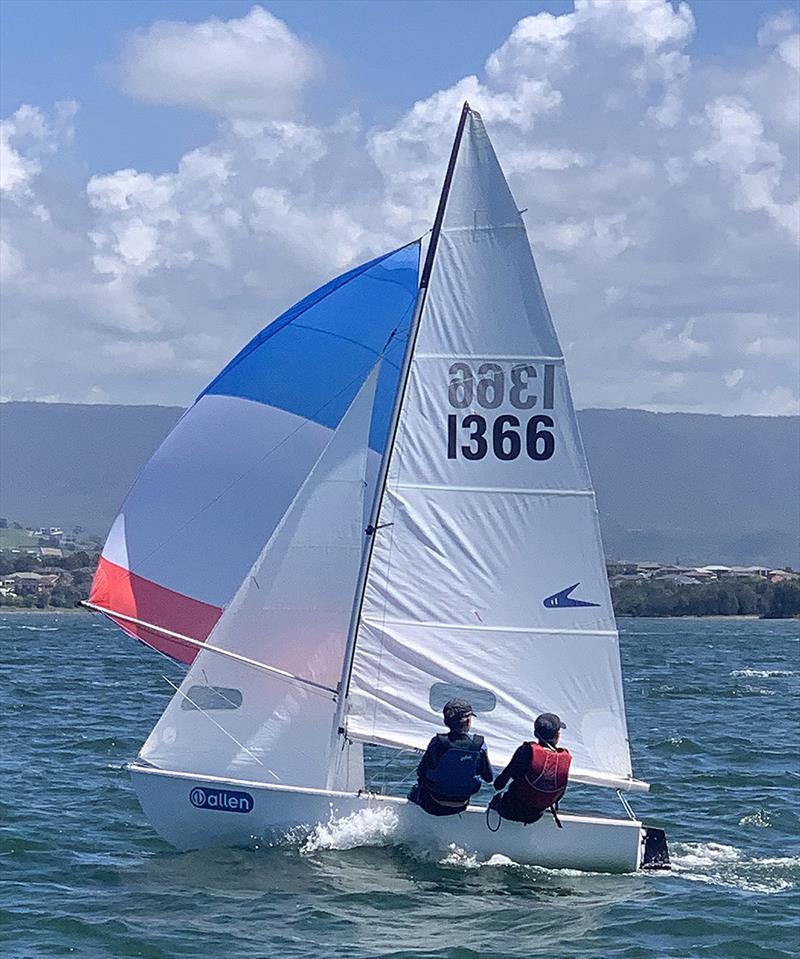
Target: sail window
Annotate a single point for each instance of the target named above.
(211, 697)
(481, 700)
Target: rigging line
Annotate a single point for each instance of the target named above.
(385, 766)
(222, 729)
(244, 660)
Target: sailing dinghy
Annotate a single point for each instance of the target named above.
(380, 503)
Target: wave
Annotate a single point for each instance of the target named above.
(461, 859)
(366, 827)
(718, 864)
(763, 673)
(39, 629)
(761, 819)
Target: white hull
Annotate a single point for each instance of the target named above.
(185, 809)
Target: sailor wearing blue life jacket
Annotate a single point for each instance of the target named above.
(453, 765)
(538, 772)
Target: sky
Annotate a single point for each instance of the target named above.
(175, 174)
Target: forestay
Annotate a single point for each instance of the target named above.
(487, 577)
(291, 612)
(214, 492)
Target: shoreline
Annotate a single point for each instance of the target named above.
(76, 611)
(48, 611)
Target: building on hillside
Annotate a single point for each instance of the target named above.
(24, 583)
(782, 575)
(718, 571)
(649, 569)
(618, 578)
(703, 575)
(49, 552)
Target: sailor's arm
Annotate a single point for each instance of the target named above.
(485, 770)
(517, 766)
(427, 760)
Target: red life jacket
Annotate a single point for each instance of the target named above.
(545, 782)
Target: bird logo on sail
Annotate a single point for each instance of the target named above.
(562, 599)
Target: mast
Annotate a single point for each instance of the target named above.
(380, 487)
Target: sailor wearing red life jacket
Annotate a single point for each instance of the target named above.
(538, 773)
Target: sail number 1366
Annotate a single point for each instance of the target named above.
(474, 435)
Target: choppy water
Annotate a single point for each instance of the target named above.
(712, 709)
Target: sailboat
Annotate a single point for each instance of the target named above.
(382, 502)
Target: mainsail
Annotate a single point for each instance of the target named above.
(216, 489)
(487, 578)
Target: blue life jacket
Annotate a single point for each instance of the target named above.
(456, 772)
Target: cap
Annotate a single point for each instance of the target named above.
(455, 711)
(547, 726)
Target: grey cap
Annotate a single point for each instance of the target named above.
(455, 711)
(547, 726)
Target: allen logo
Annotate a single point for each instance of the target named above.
(222, 800)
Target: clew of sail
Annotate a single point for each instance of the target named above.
(216, 489)
(487, 578)
(292, 613)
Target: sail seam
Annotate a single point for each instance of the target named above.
(431, 624)
(486, 356)
(497, 489)
(483, 229)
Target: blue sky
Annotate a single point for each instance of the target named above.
(175, 174)
(382, 56)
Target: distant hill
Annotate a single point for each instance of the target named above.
(66, 465)
(683, 486)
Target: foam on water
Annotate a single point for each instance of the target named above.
(366, 827)
(760, 819)
(763, 673)
(718, 864)
(461, 859)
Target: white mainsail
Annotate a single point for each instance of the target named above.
(487, 577)
(291, 613)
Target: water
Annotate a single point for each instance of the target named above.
(713, 724)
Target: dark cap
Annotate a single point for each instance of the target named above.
(547, 726)
(455, 711)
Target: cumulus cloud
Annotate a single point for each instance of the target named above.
(253, 66)
(661, 194)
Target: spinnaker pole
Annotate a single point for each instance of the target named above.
(380, 487)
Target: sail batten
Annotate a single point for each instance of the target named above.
(482, 627)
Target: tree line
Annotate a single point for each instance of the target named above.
(642, 597)
(725, 597)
